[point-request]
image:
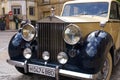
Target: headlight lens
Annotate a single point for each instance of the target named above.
(27, 53)
(72, 34)
(28, 32)
(46, 55)
(62, 57)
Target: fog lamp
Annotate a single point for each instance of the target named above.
(46, 55)
(62, 57)
(27, 53)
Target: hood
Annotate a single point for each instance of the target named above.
(83, 18)
(87, 24)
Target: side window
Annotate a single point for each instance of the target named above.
(114, 11)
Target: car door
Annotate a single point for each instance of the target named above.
(118, 37)
(115, 23)
(118, 40)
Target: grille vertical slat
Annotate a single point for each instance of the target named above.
(50, 39)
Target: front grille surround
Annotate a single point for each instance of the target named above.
(50, 39)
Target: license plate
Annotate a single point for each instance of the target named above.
(47, 71)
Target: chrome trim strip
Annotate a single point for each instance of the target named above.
(57, 72)
(25, 66)
(77, 75)
(15, 63)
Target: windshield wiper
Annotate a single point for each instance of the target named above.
(101, 13)
(81, 14)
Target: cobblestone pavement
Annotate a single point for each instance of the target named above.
(8, 72)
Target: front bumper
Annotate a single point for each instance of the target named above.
(60, 71)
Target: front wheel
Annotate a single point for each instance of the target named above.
(106, 71)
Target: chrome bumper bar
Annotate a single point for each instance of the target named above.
(61, 71)
(77, 75)
(16, 63)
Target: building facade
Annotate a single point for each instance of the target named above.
(23, 9)
(28, 9)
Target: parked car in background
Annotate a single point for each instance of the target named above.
(83, 43)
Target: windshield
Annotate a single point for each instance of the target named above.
(93, 8)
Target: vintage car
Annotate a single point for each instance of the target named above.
(83, 42)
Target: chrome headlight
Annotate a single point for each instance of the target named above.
(46, 55)
(27, 53)
(62, 57)
(28, 32)
(72, 34)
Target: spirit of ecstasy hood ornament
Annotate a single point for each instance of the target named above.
(52, 11)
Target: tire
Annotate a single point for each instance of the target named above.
(110, 64)
(106, 71)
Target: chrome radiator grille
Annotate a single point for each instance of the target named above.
(50, 39)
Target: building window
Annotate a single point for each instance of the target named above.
(46, 1)
(46, 13)
(3, 9)
(32, 11)
(16, 10)
(2, 0)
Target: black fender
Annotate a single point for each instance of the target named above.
(17, 45)
(91, 54)
(97, 46)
